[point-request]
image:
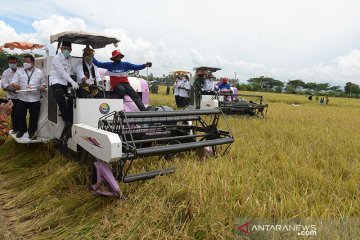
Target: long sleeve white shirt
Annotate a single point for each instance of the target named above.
(37, 79)
(176, 86)
(184, 89)
(80, 73)
(60, 70)
(6, 79)
(208, 85)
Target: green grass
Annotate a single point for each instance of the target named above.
(297, 162)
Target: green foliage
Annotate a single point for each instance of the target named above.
(352, 88)
(335, 88)
(4, 59)
(296, 83)
(278, 89)
(291, 89)
(243, 87)
(265, 82)
(255, 87)
(310, 85)
(150, 77)
(170, 78)
(322, 86)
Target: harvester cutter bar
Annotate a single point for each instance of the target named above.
(162, 133)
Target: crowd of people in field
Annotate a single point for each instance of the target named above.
(205, 84)
(321, 100)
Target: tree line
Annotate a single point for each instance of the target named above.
(297, 86)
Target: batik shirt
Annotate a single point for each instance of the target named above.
(4, 128)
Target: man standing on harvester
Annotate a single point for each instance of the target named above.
(59, 78)
(31, 81)
(119, 76)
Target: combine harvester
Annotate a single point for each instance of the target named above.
(113, 133)
(231, 103)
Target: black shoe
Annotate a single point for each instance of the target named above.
(14, 131)
(66, 133)
(32, 135)
(20, 134)
(150, 108)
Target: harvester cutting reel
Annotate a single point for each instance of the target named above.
(134, 135)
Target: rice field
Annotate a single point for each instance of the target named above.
(300, 161)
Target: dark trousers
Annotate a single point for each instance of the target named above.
(65, 107)
(197, 97)
(177, 100)
(34, 110)
(14, 121)
(183, 102)
(82, 93)
(124, 88)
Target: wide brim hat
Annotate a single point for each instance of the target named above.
(116, 53)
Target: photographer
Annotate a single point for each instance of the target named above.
(5, 110)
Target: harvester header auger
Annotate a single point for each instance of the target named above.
(243, 104)
(145, 134)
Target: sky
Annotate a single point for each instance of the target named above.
(315, 41)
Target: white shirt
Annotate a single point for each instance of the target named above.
(6, 79)
(176, 86)
(80, 73)
(37, 79)
(60, 70)
(208, 85)
(184, 89)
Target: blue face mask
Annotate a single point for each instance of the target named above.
(66, 53)
(12, 65)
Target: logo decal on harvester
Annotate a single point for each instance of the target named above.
(104, 108)
(92, 141)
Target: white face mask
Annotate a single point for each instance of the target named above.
(27, 65)
(12, 65)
